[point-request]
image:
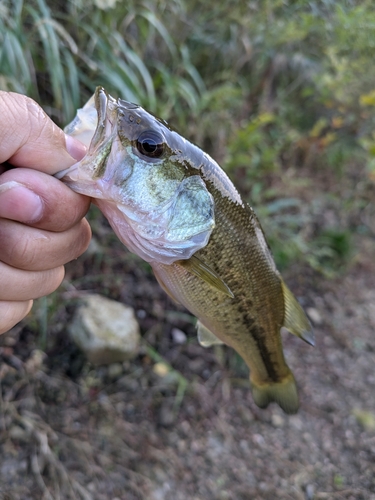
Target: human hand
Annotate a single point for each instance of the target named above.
(41, 220)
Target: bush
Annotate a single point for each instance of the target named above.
(268, 88)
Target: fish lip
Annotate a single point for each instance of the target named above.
(107, 110)
(105, 130)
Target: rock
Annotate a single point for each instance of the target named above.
(314, 315)
(179, 337)
(115, 370)
(166, 416)
(310, 491)
(105, 330)
(161, 369)
(277, 420)
(35, 362)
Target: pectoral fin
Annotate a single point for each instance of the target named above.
(201, 270)
(295, 320)
(205, 337)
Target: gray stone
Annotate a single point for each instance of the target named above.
(277, 420)
(166, 416)
(106, 331)
(314, 315)
(179, 337)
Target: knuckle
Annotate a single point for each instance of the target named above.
(25, 120)
(26, 252)
(23, 247)
(68, 212)
(38, 123)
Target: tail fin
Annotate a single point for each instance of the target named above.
(284, 393)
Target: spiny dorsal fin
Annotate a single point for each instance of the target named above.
(205, 337)
(295, 320)
(204, 272)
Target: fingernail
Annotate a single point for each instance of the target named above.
(75, 148)
(19, 203)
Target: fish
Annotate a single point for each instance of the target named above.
(170, 203)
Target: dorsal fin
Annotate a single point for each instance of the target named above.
(295, 319)
(205, 337)
(204, 272)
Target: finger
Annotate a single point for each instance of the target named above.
(12, 312)
(25, 285)
(29, 138)
(39, 199)
(34, 249)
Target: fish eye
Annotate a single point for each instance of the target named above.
(151, 144)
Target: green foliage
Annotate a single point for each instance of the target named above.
(331, 250)
(265, 87)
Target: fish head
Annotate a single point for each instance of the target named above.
(144, 177)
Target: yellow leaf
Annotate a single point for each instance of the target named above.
(161, 369)
(367, 99)
(337, 121)
(365, 418)
(318, 127)
(327, 139)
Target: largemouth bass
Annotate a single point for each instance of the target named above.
(171, 203)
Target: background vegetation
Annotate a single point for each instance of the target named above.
(268, 88)
(282, 94)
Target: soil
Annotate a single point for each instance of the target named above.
(69, 430)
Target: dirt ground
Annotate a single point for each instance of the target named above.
(72, 431)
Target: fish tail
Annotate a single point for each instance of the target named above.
(284, 393)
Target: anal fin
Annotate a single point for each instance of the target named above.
(205, 337)
(295, 319)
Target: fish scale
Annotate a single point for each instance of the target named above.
(251, 321)
(217, 263)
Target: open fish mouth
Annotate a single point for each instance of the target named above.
(95, 125)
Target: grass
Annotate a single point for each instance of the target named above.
(282, 95)
(288, 87)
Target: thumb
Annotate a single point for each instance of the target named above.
(29, 138)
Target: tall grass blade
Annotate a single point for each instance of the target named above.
(161, 29)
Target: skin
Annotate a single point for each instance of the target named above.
(42, 225)
(246, 303)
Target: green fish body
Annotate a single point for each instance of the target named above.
(172, 204)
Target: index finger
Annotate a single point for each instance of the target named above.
(60, 207)
(29, 138)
